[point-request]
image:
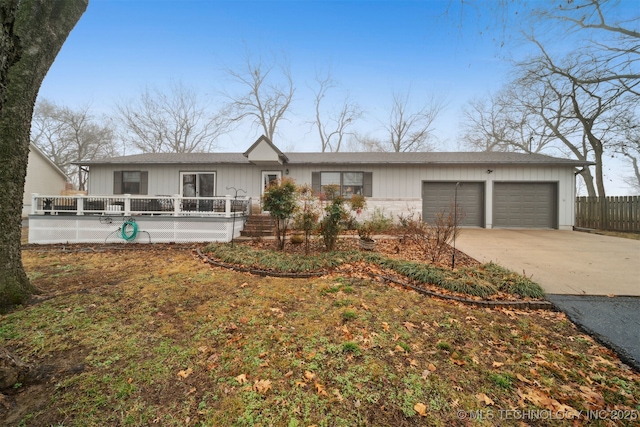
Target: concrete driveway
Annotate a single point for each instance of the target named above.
(562, 262)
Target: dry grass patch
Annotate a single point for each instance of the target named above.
(154, 336)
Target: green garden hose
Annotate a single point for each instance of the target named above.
(129, 235)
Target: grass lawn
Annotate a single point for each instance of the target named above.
(151, 335)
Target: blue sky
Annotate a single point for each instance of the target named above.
(372, 47)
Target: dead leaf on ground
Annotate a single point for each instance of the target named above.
(242, 378)
(485, 399)
(497, 364)
(262, 386)
(185, 373)
(458, 362)
(421, 409)
(400, 349)
(523, 379)
(320, 389)
(410, 326)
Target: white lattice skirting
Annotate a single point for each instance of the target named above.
(45, 229)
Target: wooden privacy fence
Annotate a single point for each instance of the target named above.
(609, 213)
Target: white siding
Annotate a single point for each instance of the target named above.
(394, 186)
(42, 178)
(263, 152)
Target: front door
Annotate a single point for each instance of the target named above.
(268, 178)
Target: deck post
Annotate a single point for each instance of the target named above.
(80, 204)
(227, 205)
(127, 204)
(176, 204)
(34, 203)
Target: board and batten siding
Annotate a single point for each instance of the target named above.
(397, 188)
(165, 179)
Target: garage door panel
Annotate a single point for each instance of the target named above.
(525, 205)
(439, 197)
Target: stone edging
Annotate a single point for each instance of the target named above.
(518, 305)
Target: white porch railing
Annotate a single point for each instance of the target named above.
(130, 205)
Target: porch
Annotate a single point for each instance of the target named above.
(140, 219)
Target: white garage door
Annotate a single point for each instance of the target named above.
(525, 205)
(439, 197)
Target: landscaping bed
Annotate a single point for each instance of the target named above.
(392, 261)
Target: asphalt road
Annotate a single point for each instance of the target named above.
(615, 322)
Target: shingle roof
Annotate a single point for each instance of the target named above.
(431, 158)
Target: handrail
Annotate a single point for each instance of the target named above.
(128, 205)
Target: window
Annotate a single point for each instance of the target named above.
(130, 182)
(348, 183)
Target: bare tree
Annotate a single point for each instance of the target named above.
(410, 130)
(612, 52)
(33, 32)
(629, 148)
(177, 121)
(267, 94)
(366, 143)
(504, 122)
(332, 126)
(66, 135)
(595, 106)
(576, 99)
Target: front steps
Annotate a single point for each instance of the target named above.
(258, 226)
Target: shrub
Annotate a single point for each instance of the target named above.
(357, 203)
(307, 215)
(377, 224)
(432, 238)
(330, 225)
(280, 199)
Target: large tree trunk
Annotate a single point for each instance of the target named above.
(33, 32)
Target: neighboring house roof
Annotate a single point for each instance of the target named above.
(427, 158)
(36, 150)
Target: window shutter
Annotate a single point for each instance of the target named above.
(144, 182)
(117, 182)
(315, 182)
(368, 184)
